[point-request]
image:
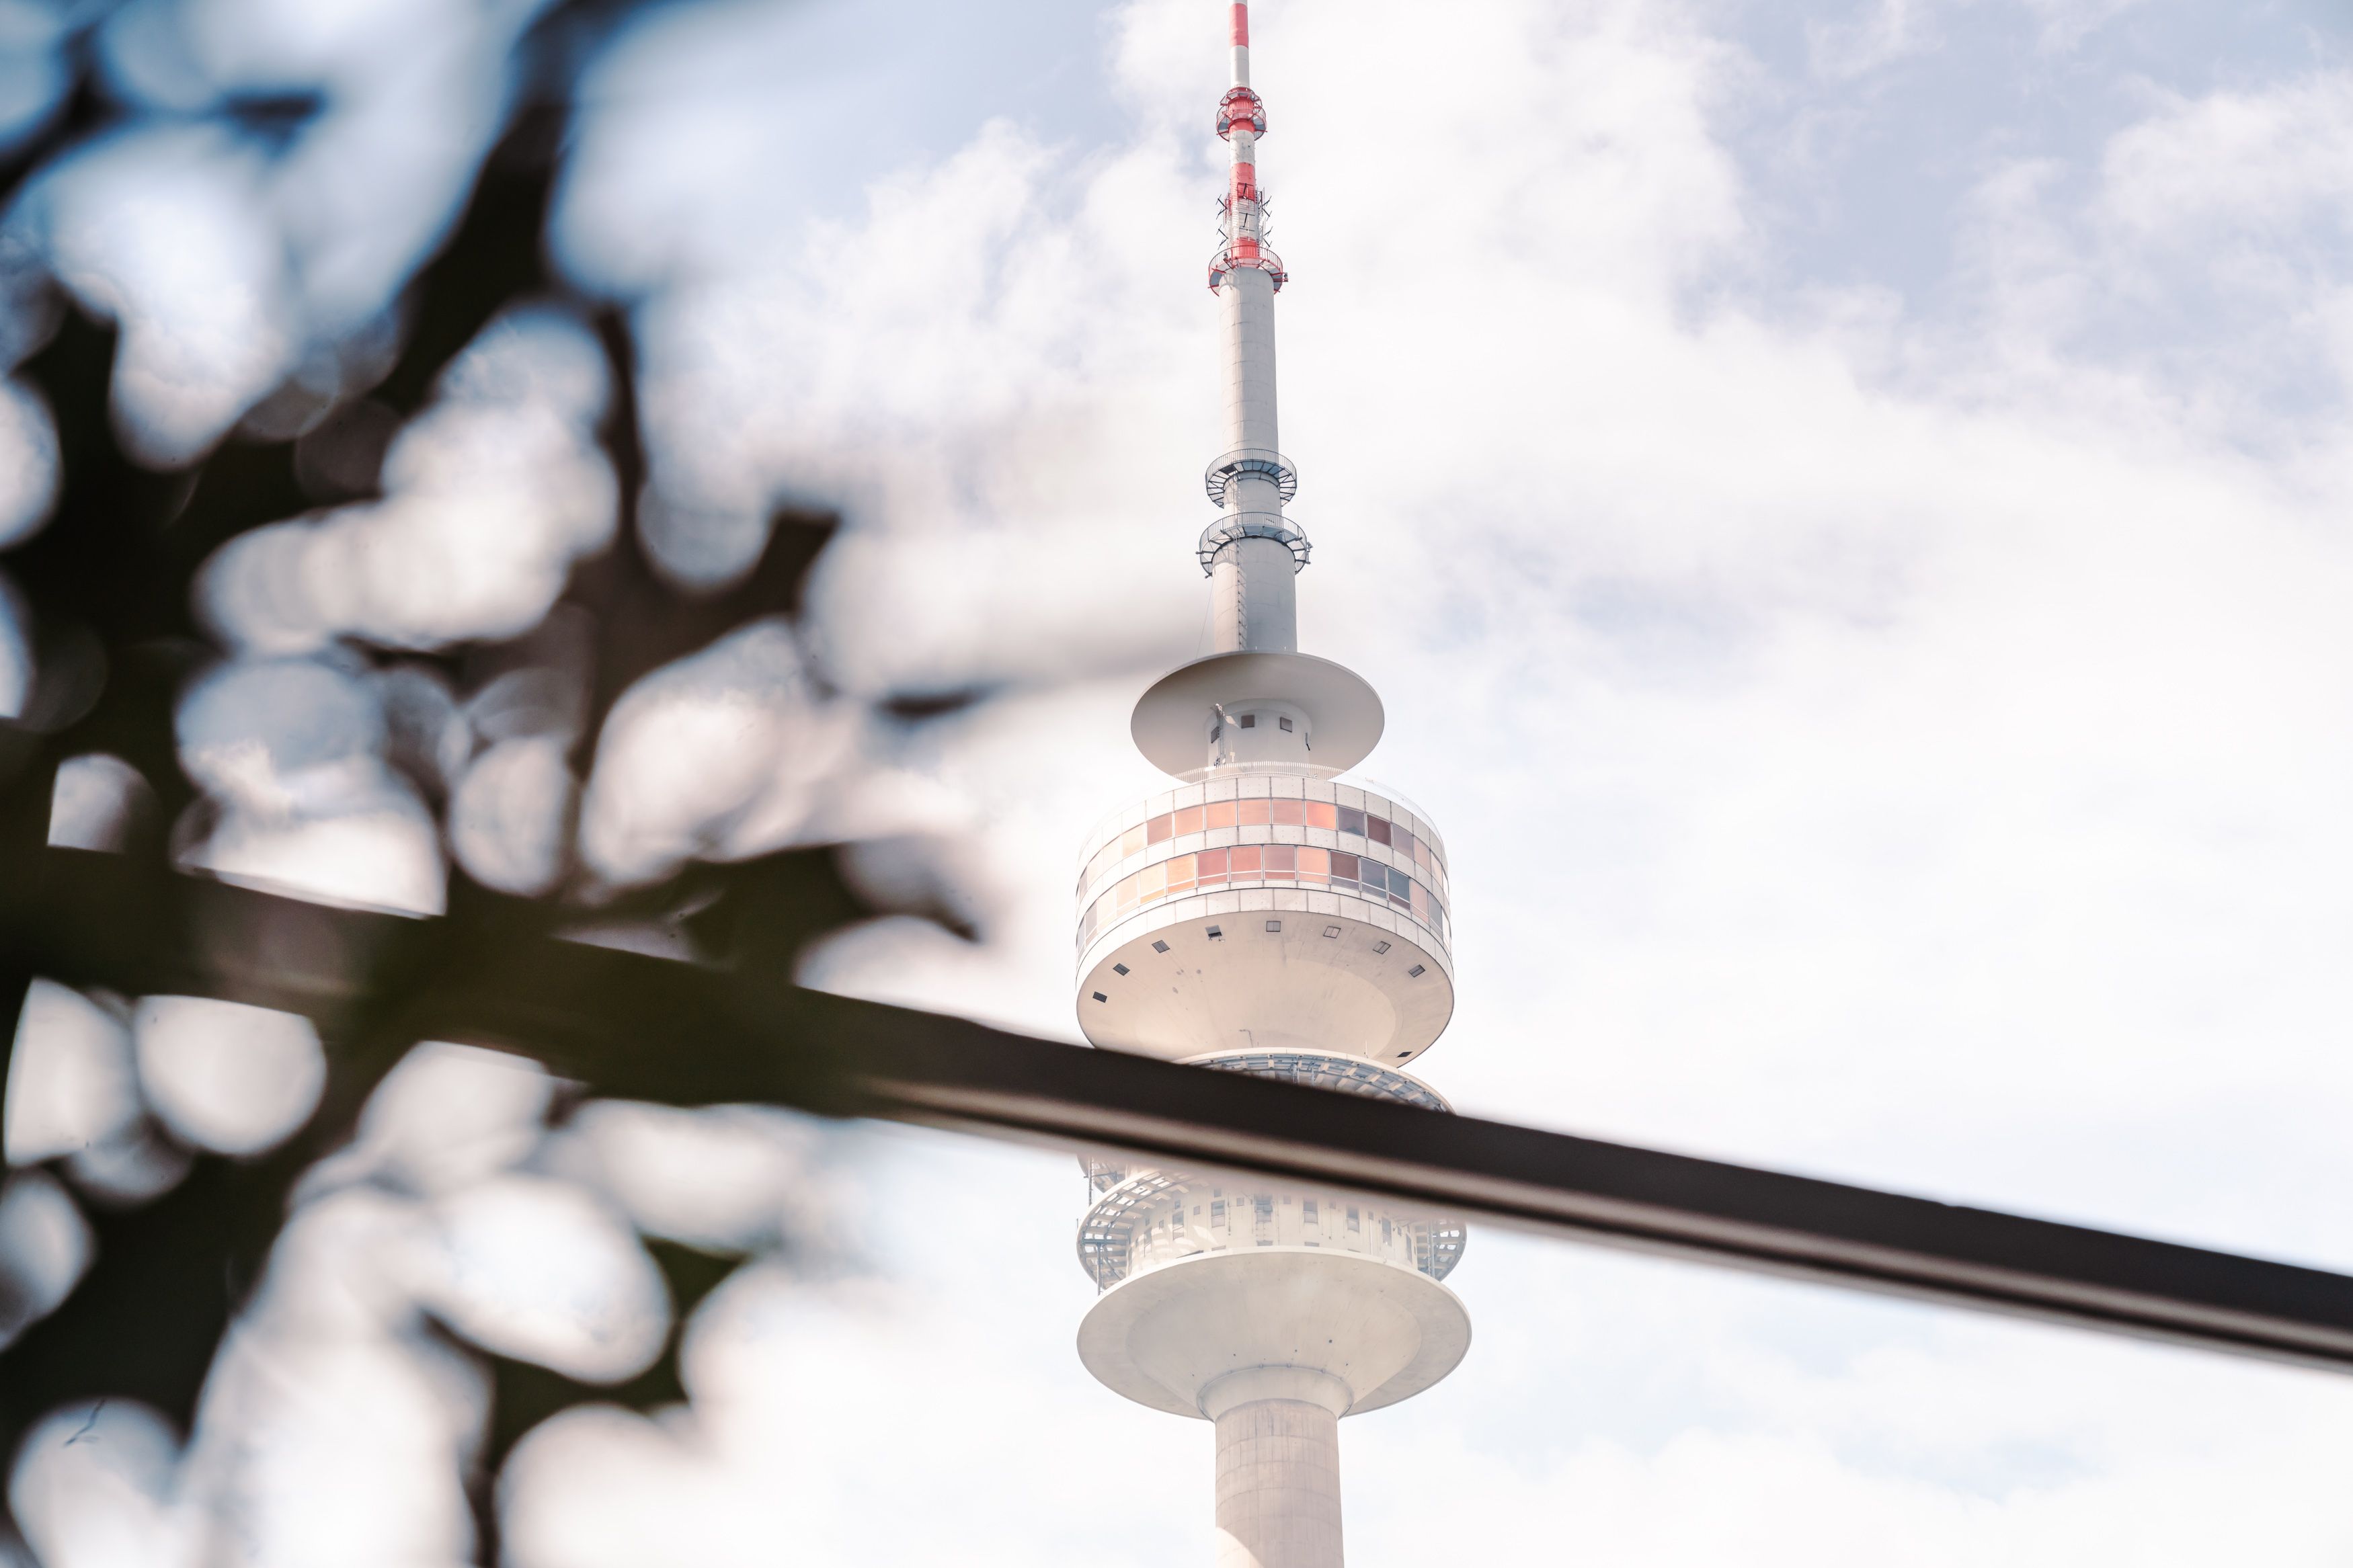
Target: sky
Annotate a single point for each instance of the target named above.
(1845, 506)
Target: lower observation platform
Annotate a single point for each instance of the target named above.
(1364, 1332)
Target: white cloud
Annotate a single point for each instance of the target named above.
(28, 463)
(717, 756)
(92, 1488)
(491, 495)
(162, 227)
(71, 1084)
(17, 669)
(540, 1270)
(227, 1077)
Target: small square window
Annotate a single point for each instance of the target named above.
(1402, 1055)
(1415, 971)
(1330, 931)
(1100, 997)
(1247, 721)
(1215, 933)
(1160, 947)
(1274, 925)
(1283, 723)
(1119, 968)
(1380, 947)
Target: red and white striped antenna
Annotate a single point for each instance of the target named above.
(1242, 120)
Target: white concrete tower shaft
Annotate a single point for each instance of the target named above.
(1279, 1485)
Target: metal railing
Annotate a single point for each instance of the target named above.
(628, 1024)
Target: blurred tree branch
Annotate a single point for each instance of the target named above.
(108, 583)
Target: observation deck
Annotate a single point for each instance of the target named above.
(1265, 909)
(1206, 1281)
(1143, 1218)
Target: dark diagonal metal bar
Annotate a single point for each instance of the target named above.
(629, 1025)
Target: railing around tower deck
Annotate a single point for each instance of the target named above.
(1156, 1217)
(1330, 1071)
(1141, 1216)
(1264, 462)
(1240, 525)
(1235, 256)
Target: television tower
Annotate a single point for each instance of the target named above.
(1265, 918)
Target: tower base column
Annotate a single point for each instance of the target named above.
(1279, 1484)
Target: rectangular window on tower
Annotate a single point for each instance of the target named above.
(1217, 1214)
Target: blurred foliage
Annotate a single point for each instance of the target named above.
(108, 585)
